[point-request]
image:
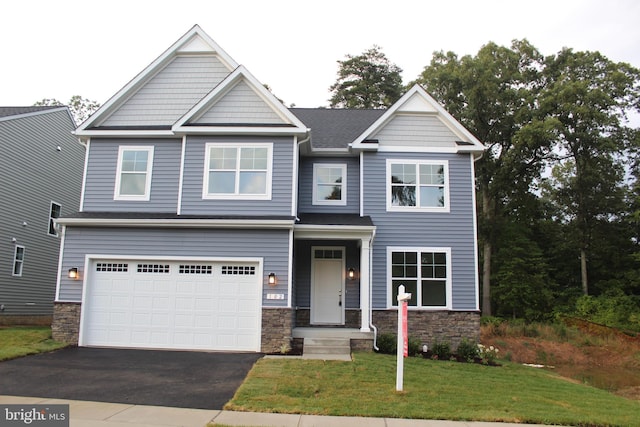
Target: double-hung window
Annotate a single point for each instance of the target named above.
(54, 213)
(424, 272)
(237, 171)
(133, 176)
(329, 184)
(18, 261)
(417, 185)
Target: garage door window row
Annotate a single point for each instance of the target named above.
(245, 270)
(112, 267)
(153, 268)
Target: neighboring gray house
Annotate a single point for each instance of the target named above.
(41, 175)
(214, 218)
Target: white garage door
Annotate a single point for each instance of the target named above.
(172, 305)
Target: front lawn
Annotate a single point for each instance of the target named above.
(18, 341)
(432, 390)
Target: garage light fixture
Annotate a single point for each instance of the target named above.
(272, 280)
(351, 273)
(73, 273)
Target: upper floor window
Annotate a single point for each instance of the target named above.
(133, 176)
(417, 185)
(329, 184)
(238, 171)
(18, 261)
(424, 272)
(54, 212)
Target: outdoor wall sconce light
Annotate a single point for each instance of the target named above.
(73, 273)
(272, 280)
(351, 273)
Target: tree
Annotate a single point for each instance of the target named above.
(494, 95)
(367, 80)
(81, 108)
(588, 97)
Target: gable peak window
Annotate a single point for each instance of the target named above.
(418, 185)
(329, 184)
(237, 171)
(133, 176)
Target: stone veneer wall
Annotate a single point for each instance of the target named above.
(65, 326)
(277, 327)
(429, 326)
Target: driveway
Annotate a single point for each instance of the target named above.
(141, 377)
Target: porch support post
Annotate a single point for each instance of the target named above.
(365, 285)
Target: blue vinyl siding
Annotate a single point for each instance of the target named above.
(271, 245)
(454, 229)
(281, 190)
(305, 186)
(101, 176)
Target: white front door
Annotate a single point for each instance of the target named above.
(327, 286)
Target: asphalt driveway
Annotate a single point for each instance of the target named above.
(141, 377)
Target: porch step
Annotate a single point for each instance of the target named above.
(327, 348)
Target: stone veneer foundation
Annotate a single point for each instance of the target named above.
(65, 326)
(277, 326)
(430, 326)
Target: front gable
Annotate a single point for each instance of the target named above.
(164, 91)
(417, 122)
(238, 105)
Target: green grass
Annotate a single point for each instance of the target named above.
(21, 341)
(432, 390)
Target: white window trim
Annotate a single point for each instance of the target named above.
(449, 291)
(15, 261)
(205, 180)
(417, 208)
(147, 190)
(343, 192)
(51, 218)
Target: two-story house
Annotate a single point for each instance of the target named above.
(215, 218)
(41, 176)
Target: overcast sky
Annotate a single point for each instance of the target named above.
(60, 48)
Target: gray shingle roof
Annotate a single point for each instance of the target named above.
(14, 111)
(334, 127)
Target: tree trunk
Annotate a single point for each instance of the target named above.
(583, 271)
(487, 248)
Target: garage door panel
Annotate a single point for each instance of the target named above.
(206, 306)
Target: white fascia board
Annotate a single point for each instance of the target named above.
(177, 223)
(153, 69)
(84, 134)
(312, 231)
(238, 130)
(37, 113)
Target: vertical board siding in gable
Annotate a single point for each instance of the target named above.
(241, 105)
(171, 92)
(101, 176)
(271, 245)
(305, 186)
(281, 189)
(424, 229)
(416, 131)
(33, 173)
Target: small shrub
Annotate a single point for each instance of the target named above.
(489, 354)
(468, 350)
(415, 346)
(441, 350)
(387, 343)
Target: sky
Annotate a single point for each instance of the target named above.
(92, 48)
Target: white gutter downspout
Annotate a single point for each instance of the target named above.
(375, 330)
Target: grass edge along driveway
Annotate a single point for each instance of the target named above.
(432, 390)
(19, 341)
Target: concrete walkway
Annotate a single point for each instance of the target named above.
(100, 414)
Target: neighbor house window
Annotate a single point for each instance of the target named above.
(54, 213)
(239, 171)
(18, 260)
(424, 272)
(133, 176)
(329, 184)
(417, 185)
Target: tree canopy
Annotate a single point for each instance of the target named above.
(368, 80)
(81, 108)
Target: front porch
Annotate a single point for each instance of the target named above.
(330, 343)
